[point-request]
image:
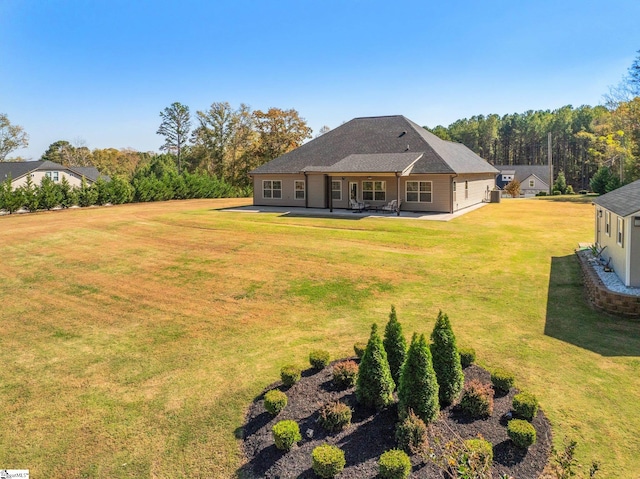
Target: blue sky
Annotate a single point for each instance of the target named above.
(100, 72)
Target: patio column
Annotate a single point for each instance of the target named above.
(398, 192)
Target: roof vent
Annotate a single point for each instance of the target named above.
(407, 148)
(403, 133)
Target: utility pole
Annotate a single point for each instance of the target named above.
(550, 156)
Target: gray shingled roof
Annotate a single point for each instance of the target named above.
(366, 163)
(375, 141)
(17, 169)
(522, 172)
(624, 201)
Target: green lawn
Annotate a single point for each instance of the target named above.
(134, 337)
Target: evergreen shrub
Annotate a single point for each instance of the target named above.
(327, 461)
(411, 434)
(359, 349)
(286, 434)
(395, 345)
(374, 386)
(345, 374)
(394, 464)
(335, 416)
(525, 405)
(480, 449)
(275, 401)
(418, 390)
(475, 460)
(467, 356)
(290, 374)
(477, 399)
(502, 380)
(446, 360)
(521, 432)
(319, 359)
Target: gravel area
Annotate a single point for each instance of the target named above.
(609, 278)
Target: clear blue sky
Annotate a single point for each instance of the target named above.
(101, 71)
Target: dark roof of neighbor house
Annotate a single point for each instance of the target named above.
(381, 144)
(522, 172)
(624, 201)
(17, 169)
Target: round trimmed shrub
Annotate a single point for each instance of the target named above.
(394, 464)
(521, 432)
(290, 374)
(477, 399)
(502, 380)
(525, 405)
(467, 356)
(359, 349)
(345, 374)
(480, 453)
(319, 359)
(286, 434)
(275, 401)
(411, 434)
(335, 416)
(327, 461)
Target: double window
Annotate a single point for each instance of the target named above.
(52, 175)
(374, 190)
(272, 189)
(532, 183)
(418, 191)
(298, 188)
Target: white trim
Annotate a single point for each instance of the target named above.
(418, 191)
(620, 232)
(373, 190)
(296, 190)
(339, 190)
(607, 223)
(271, 190)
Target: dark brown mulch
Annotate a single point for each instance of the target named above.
(371, 434)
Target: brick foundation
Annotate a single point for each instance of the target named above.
(602, 298)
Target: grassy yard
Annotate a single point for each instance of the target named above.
(134, 337)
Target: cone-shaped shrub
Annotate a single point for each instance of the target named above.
(446, 360)
(418, 390)
(374, 387)
(395, 345)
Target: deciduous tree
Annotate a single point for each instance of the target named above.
(175, 127)
(12, 137)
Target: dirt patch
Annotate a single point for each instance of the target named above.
(371, 434)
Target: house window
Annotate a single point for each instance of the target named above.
(636, 221)
(374, 190)
(418, 191)
(271, 189)
(336, 190)
(607, 222)
(620, 231)
(507, 177)
(52, 175)
(298, 188)
(532, 183)
(466, 190)
(454, 191)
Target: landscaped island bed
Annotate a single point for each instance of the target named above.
(135, 337)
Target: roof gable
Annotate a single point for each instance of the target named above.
(624, 201)
(386, 136)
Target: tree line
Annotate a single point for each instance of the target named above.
(584, 140)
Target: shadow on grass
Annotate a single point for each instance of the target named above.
(569, 198)
(570, 319)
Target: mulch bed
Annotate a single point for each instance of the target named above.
(371, 434)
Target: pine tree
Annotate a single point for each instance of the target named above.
(395, 345)
(446, 360)
(49, 195)
(29, 195)
(375, 385)
(418, 390)
(560, 183)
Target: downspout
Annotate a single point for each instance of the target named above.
(306, 190)
(329, 193)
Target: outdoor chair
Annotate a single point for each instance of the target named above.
(357, 206)
(391, 207)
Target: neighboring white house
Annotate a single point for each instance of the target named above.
(19, 171)
(533, 178)
(617, 230)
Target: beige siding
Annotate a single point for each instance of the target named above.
(478, 190)
(614, 253)
(634, 252)
(37, 176)
(288, 192)
(440, 193)
(317, 187)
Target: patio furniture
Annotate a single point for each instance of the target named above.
(357, 206)
(391, 207)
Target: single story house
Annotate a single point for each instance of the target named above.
(617, 230)
(18, 171)
(533, 178)
(372, 162)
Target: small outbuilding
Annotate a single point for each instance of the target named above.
(617, 231)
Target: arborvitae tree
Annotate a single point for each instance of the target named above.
(375, 385)
(120, 191)
(418, 390)
(101, 189)
(560, 183)
(446, 360)
(49, 195)
(86, 194)
(67, 194)
(10, 199)
(395, 345)
(29, 195)
(599, 181)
